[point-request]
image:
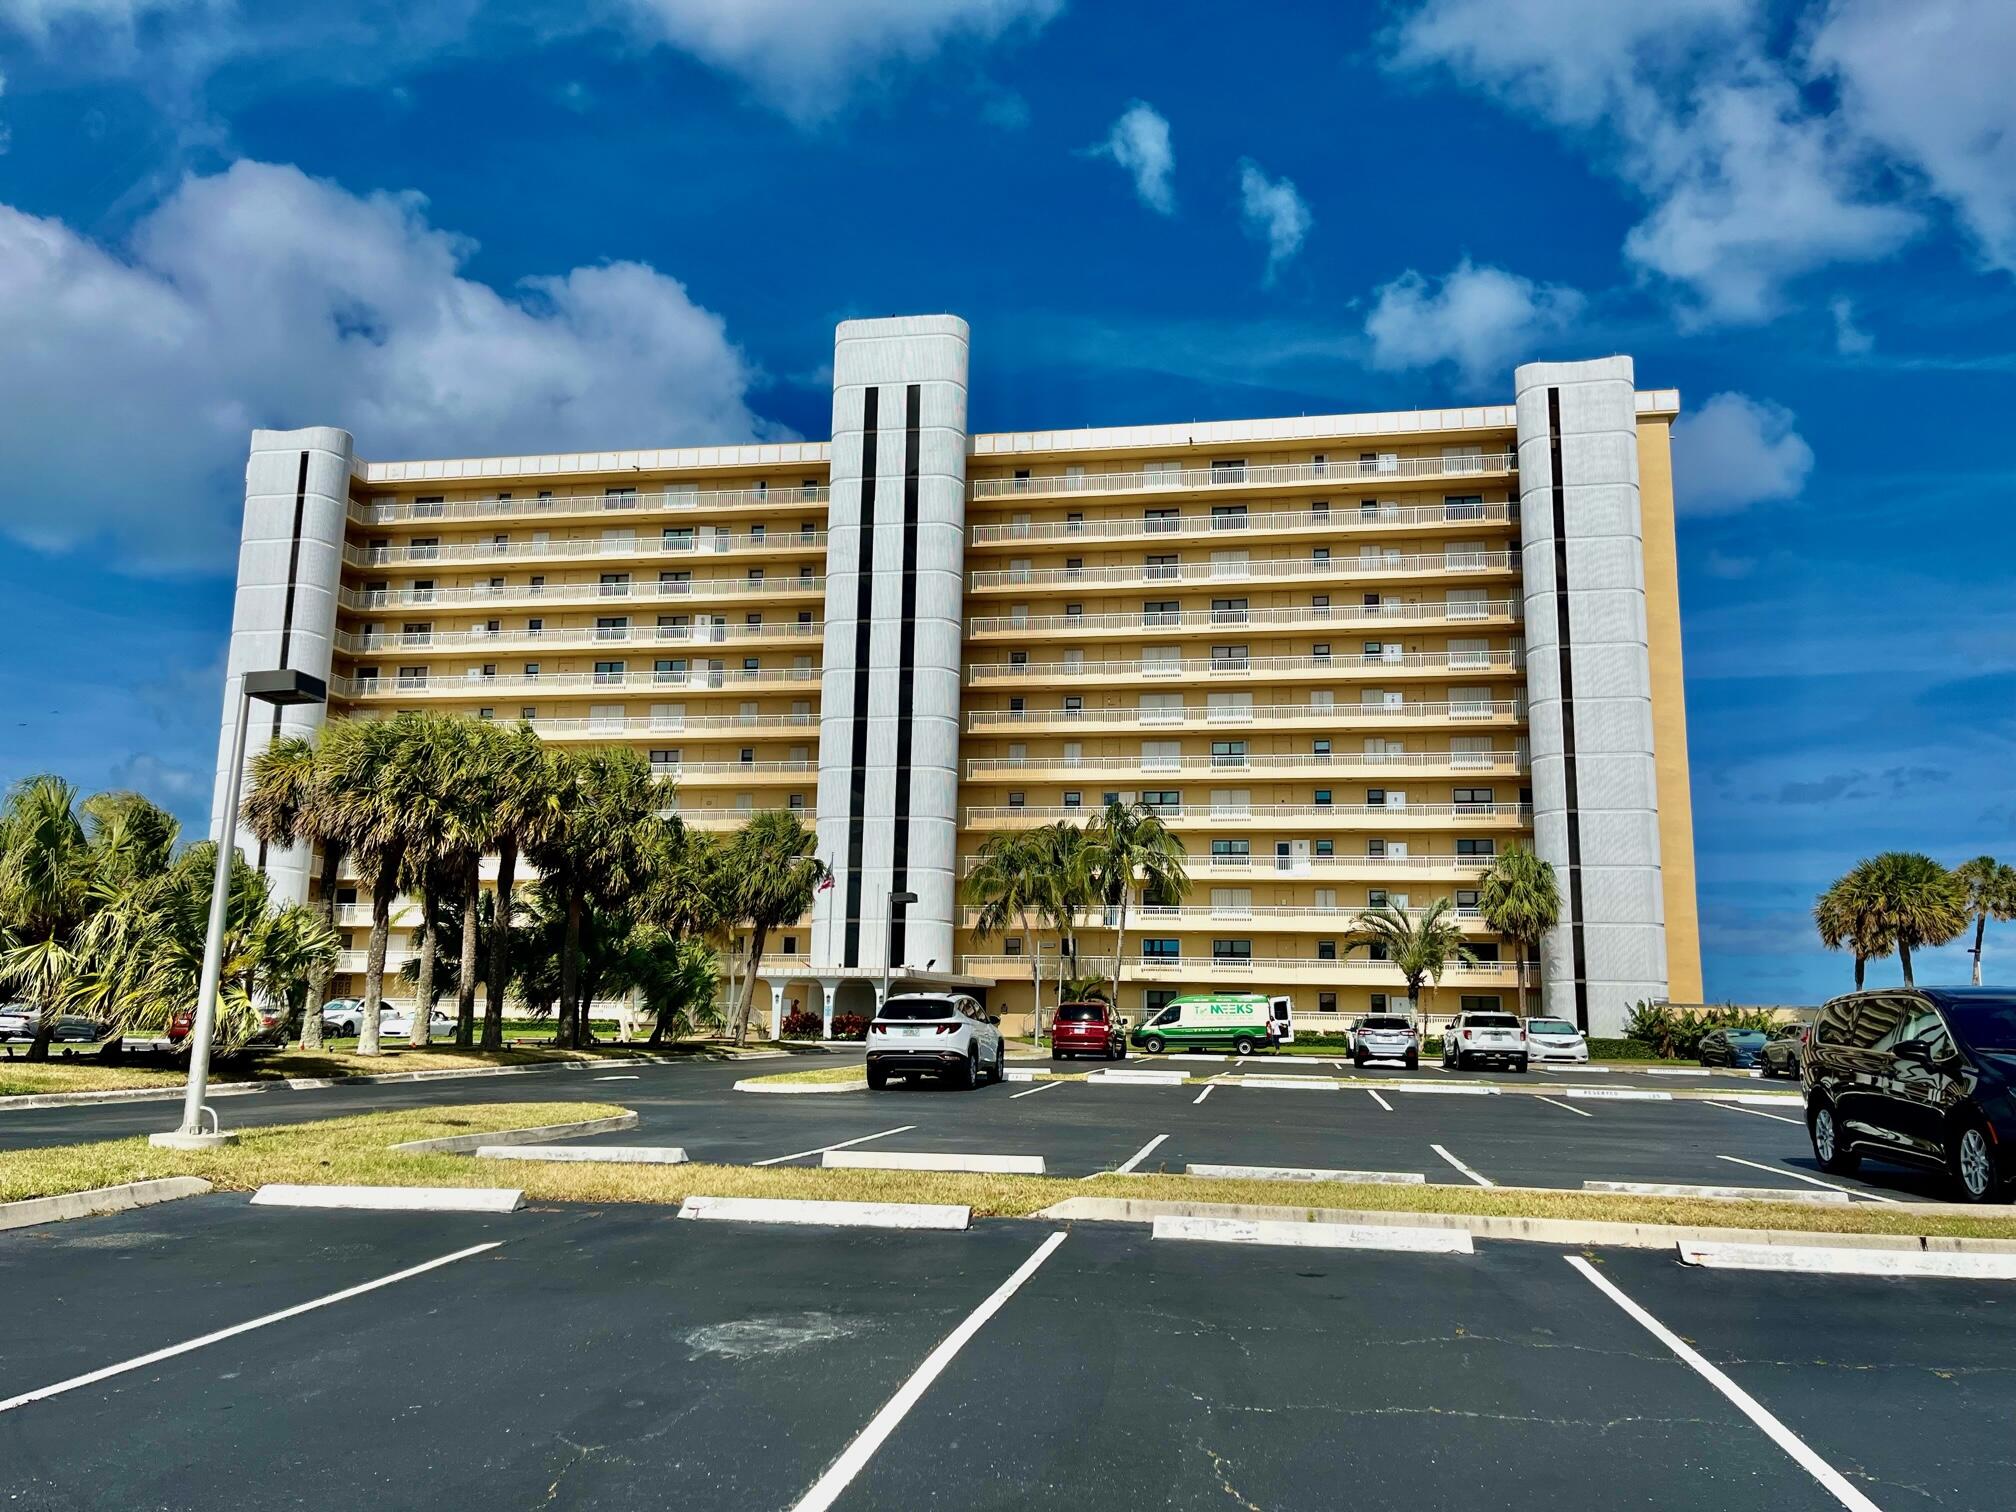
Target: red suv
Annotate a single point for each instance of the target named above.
(1087, 1029)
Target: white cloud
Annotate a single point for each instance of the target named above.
(1139, 142)
(807, 60)
(41, 19)
(1735, 451)
(1850, 340)
(1274, 212)
(1480, 319)
(1929, 80)
(262, 297)
(1748, 187)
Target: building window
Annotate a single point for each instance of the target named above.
(1237, 951)
(1376, 898)
(790, 944)
(486, 713)
(528, 711)
(1376, 951)
(1378, 1002)
(1323, 797)
(1473, 796)
(608, 672)
(1231, 850)
(1326, 1002)
(1321, 651)
(1228, 753)
(1476, 849)
(1483, 1002)
(1017, 799)
(1162, 799)
(531, 669)
(1154, 949)
(1011, 946)
(1320, 749)
(1325, 849)
(1073, 798)
(1326, 950)
(1154, 1000)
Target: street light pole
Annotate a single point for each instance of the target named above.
(281, 687)
(896, 900)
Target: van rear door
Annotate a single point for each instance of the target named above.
(1281, 1013)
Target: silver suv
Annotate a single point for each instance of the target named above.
(939, 1034)
(1485, 1037)
(1387, 1037)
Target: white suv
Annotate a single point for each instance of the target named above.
(943, 1034)
(1485, 1037)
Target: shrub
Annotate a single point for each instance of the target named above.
(1669, 1033)
(850, 1026)
(801, 1024)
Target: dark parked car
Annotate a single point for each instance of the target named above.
(1088, 1028)
(1923, 1075)
(1732, 1047)
(1781, 1053)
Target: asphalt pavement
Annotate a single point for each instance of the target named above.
(575, 1357)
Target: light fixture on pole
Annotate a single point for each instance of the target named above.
(280, 688)
(896, 901)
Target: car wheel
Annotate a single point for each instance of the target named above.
(1120, 1051)
(1242, 1046)
(877, 1078)
(969, 1071)
(1462, 1061)
(1000, 1064)
(1970, 1162)
(1358, 1059)
(1152, 1044)
(1413, 1060)
(1828, 1148)
(1520, 1064)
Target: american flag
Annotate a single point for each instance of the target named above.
(826, 882)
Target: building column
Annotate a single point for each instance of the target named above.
(1595, 782)
(829, 989)
(290, 566)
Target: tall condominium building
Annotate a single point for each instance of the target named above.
(1348, 658)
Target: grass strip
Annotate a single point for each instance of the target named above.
(347, 1150)
(853, 1075)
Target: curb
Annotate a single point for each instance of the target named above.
(893, 1215)
(1569, 1232)
(392, 1199)
(596, 1154)
(99, 1200)
(900, 1160)
(468, 1144)
(755, 1084)
(1414, 1239)
(1829, 1260)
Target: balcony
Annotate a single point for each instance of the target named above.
(1236, 668)
(574, 637)
(370, 600)
(1385, 468)
(1338, 715)
(1353, 971)
(1264, 815)
(1385, 565)
(692, 679)
(1415, 865)
(780, 542)
(1348, 519)
(714, 821)
(640, 726)
(1393, 614)
(1152, 917)
(1125, 767)
(673, 499)
(751, 771)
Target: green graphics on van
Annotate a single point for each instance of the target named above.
(1238, 1021)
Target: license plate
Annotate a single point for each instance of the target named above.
(909, 1033)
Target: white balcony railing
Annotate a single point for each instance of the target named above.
(1238, 666)
(1165, 968)
(1221, 523)
(1340, 714)
(1150, 916)
(566, 637)
(1194, 815)
(1217, 864)
(675, 724)
(1384, 467)
(1231, 763)
(367, 599)
(587, 503)
(1390, 613)
(782, 542)
(1389, 564)
(691, 679)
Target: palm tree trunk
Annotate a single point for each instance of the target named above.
(423, 993)
(318, 987)
(1521, 948)
(374, 958)
(758, 936)
(1119, 951)
(500, 945)
(1861, 966)
(45, 1031)
(570, 971)
(1904, 955)
(1980, 930)
(1035, 982)
(465, 981)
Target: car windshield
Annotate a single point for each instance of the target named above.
(897, 1010)
(1386, 1024)
(1550, 1026)
(1081, 1013)
(1748, 1036)
(1491, 1021)
(1984, 1023)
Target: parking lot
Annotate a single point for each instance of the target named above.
(622, 1358)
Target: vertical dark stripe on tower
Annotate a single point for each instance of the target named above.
(899, 873)
(1577, 955)
(287, 608)
(864, 615)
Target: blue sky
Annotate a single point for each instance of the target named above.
(463, 225)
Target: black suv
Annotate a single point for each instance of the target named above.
(1925, 1075)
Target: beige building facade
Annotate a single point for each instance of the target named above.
(1348, 657)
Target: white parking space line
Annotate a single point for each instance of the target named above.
(1480, 1180)
(616, 1078)
(1832, 1479)
(826, 1490)
(1810, 1180)
(143, 1361)
(1380, 1100)
(1758, 1112)
(842, 1145)
(1578, 1112)
(1200, 1097)
(1044, 1087)
(1139, 1155)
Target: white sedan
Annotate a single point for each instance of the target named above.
(397, 1023)
(1556, 1040)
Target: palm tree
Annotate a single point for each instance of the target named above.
(1129, 842)
(287, 803)
(1520, 899)
(1847, 918)
(1068, 892)
(1919, 901)
(1010, 884)
(47, 872)
(776, 876)
(1991, 894)
(526, 811)
(1420, 948)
